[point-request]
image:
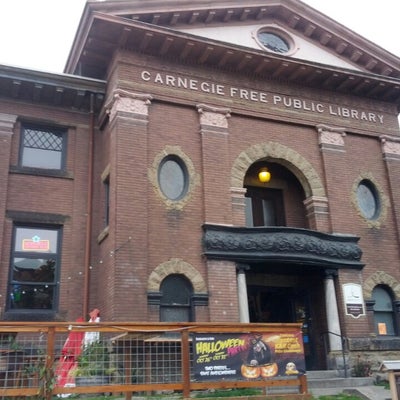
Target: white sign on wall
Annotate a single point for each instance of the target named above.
(353, 300)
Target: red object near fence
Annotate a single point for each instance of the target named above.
(69, 356)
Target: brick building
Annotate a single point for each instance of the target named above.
(132, 183)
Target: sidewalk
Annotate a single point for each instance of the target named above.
(365, 392)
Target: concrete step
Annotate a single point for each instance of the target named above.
(331, 379)
(370, 392)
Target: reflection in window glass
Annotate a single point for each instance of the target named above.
(34, 268)
(172, 177)
(273, 42)
(42, 148)
(368, 201)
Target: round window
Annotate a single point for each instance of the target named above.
(173, 177)
(273, 41)
(368, 199)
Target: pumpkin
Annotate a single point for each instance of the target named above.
(269, 370)
(250, 371)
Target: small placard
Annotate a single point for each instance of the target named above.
(353, 300)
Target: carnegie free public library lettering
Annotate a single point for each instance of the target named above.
(134, 176)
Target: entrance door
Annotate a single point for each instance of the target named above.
(284, 304)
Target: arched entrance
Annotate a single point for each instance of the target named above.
(289, 272)
(289, 266)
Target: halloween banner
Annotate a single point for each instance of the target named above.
(236, 356)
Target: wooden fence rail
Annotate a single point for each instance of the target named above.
(46, 359)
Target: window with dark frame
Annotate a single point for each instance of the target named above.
(106, 184)
(176, 299)
(384, 320)
(264, 207)
(173, 177)
(273, 41)
(368, 200)
(35, 262)
(42, 147)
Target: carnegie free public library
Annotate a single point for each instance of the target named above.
(233, 162)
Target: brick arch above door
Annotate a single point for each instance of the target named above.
(273, 151)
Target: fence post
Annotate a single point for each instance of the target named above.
(303, 384)
(128, 369)
(185, 363)
(48, 373)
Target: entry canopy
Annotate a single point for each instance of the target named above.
(282, 245)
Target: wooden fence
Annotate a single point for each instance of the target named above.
(46, 359)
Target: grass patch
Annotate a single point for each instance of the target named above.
(216, 394)
(228, 393)
(342, 396)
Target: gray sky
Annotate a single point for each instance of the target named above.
(38, 34)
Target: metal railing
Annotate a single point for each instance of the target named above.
(46, 359)
(344, 340)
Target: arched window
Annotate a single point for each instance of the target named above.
(383, 311)
(176, 299)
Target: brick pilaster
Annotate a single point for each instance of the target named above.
(332, 146)
(127, 270)
(216, 166)
(7, 122)
(391, 155)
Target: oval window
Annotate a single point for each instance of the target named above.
(172, 177)
(273, 42)
(368, 200)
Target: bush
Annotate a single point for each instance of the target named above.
(361, 368)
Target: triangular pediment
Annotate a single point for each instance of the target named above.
(230, 34)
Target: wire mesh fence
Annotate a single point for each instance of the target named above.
(61, 359)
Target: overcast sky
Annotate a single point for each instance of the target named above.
(38, 34)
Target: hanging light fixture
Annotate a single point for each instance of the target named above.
(264, 175)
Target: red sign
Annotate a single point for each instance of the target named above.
(35, 245)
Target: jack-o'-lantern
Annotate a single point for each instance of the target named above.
(250, 371)
(269, 370)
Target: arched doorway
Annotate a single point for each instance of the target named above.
(288, 264)
(277, 292)
(277, 202)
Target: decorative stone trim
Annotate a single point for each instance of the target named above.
(238, 196)
(284, 244)
(390, 147)
(331, 138)
(128, 103)
(295, 162)
(383, 201)
(193, 177)
(316, 205)
(176, 266)
(7, 122)
(381, 278)
(213, 116)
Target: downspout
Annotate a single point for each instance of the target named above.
(86, 283)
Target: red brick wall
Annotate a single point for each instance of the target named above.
(44, 194)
